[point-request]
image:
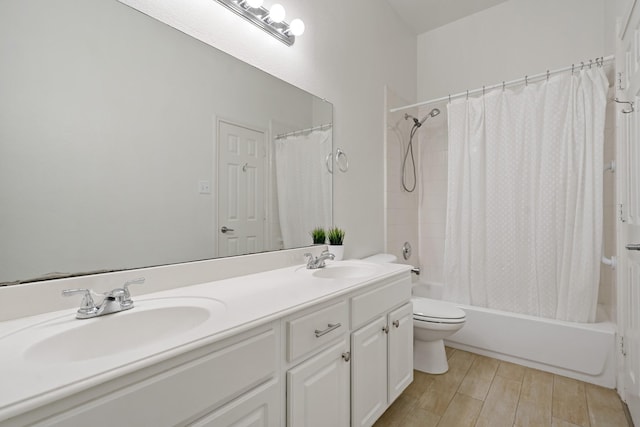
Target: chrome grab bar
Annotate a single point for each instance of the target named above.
(633, 247)
(330, 327)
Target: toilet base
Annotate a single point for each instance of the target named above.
(430, 357)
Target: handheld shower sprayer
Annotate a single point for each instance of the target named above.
(419, 123)
(416, 124)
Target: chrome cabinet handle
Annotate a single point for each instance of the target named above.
(396, 323)
(346, 356)
(385, 329)
(224, 229)
(330, 327)
(633, 247)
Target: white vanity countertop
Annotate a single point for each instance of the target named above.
(250, 301)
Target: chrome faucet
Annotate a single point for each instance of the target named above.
(313, 262)
(116, 300)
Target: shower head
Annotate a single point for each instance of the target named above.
(418, 123)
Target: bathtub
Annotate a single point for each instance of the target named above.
(583, 351)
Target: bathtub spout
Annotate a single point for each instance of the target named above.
(415, 270)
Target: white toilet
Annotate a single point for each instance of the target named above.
(433, 321)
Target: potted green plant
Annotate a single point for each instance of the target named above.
(319, 236)
(336, 239)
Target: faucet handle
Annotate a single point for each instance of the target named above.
(328, 254)
(310, 259)
(138, 281)
(88, 306)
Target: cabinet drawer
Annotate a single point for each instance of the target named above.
(373, 303)
(313, 330)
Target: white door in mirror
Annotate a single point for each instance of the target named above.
(241, 190)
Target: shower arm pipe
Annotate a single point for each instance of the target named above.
(526, 79)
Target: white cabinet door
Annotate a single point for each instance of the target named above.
(369, 373)
(400, 350)
(318, 389)
(628, 199)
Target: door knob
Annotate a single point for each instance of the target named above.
(224, 229)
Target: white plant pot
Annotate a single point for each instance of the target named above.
(337, 251)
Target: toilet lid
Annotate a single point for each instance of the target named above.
(433, 310)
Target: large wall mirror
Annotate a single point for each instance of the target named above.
(125, 143)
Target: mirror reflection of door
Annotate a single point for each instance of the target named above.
(241, 182)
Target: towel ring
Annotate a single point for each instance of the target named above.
(327, 162)
(342, 160)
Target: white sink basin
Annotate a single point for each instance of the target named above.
(342, 270)
(148, 323)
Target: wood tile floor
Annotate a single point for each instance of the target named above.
(480, 391)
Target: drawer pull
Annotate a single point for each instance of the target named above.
(396, 323)
(330, 327)
(385, 329)
(346, 356)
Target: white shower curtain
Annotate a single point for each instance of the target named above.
(303, 185)
(524, 210)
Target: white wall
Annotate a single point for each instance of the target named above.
(401, 206)
(508, 41)
(349, 51)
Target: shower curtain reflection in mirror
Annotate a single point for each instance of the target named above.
(524, 210)
(303, 184)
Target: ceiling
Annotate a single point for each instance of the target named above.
(425, 15)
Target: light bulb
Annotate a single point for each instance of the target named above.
(277, 13)
(296, 27)
(255, 3)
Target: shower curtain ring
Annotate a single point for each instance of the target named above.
(503, 85)
(590, 63)
(482, 90)
(449, 98)
(572, 67)
(526, 80)
(581, 66)
(547, 75)
(467, 94)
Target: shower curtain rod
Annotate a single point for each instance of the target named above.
(296, 132)
(526, 79)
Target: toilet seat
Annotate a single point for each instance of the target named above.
(434, 311)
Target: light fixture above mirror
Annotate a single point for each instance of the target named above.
(270, 20)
